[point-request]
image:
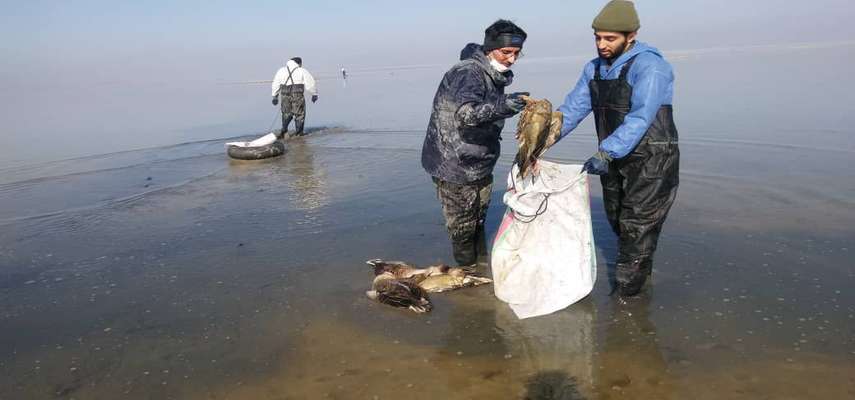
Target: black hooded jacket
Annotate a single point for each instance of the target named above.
(469, 112)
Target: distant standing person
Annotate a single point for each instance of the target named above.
(462, 142)
(629, 87)
(289, 84)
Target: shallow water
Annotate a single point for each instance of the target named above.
(174, 272)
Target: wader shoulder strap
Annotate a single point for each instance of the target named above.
(625, 70)
(290, 78)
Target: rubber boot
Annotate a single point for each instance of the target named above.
(298, 127)
(483, 254)
(285, 122)
(630, 276)
(464, 253)
(647, 267)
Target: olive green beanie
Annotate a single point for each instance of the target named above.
(617, 16)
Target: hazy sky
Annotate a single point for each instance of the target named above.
(203, 40)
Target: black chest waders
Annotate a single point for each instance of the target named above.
(292, 105)
(640, 188)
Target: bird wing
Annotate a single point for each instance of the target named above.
(400, 293)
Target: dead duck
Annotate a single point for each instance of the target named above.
(539, 128)
(433, 279)
(403, 270)
(397, 292)
(453, 278)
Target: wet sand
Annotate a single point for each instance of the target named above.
(178, 273)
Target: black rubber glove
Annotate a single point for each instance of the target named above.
(275, 100)
(314, 98)
(516, 101)
(598, 164)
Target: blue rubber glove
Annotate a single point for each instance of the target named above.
(275, 100)
(314, 98)
(598, 164)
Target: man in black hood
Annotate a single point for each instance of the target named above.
(462, 142)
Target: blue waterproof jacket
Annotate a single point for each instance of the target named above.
(652, 81)
(469, 111)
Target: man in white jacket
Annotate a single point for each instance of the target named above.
(289, 84)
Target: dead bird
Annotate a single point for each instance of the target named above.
(538, 129)
(396, 292)
(454, 278)
(396, 284)
(434, 279)
(400, 269)
(400, 284)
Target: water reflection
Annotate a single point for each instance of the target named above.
(629, 361)
(295, 176)
(555, 352)
(552, 385)
(309, 183)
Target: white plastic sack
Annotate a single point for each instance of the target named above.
(543, 257)
(262, 141)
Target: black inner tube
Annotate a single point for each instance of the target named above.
(274, 149)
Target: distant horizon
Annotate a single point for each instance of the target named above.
(673, 55)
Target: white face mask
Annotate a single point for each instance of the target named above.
(498, 66)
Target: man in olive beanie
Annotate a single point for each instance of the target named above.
(629, 87)
(461, 145)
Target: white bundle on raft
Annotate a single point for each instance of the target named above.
(262, 141)
(264, 147)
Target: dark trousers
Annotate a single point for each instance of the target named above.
(464, 207)
(293, 106)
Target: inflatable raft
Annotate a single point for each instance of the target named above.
(264, 147)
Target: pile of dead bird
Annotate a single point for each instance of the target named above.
(399, 284)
